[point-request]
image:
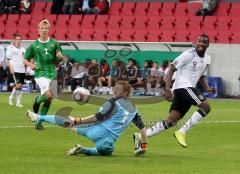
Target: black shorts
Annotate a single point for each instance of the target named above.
(20, 77)
(184, 98)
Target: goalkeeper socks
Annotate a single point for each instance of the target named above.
(160, 126)
(89, 151)
(53, 119)
(194, 119)
(41, 99)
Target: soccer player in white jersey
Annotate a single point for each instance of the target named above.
(190, 68)
(14, 55)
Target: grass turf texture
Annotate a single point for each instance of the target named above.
(212, 148)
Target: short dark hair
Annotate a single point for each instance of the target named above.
(16, 35)
(204, 35)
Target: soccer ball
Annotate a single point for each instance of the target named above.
(81, 95)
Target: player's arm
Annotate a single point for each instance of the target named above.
(9, 61)
(103, 114)
(59, 53)
(29, 54)
(142, 146)
(168, 83)
(205, 86)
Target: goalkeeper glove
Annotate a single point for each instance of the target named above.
(141, 149)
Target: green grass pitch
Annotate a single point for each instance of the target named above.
(213, 147)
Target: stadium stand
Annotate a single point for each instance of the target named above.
(131, 21)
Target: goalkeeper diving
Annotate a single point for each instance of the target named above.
(104, 127)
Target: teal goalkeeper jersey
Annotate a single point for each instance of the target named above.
(44, 54)
(121, 116)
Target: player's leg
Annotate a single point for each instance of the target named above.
(10, 100)
(204, 109)
(20, 80)
(99, 135)
(100, 84)
(195, 98)
(177, 110)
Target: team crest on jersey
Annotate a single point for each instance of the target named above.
(52, 45)
(194, 64)
(37, 46)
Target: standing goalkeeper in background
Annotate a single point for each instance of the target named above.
(46, 52)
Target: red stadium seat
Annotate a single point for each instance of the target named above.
(223, 23)
(167, 36)
(154, 22)
(235, 10)
(141, 9)
(38, 8)
(222, 9)
(193, 7)
(23, 32)
(212, 34)
(2, 31)
(193, 35)
(24, 21)
(140, 22)
(73, 33)
(235, 24)
(168, 8)
(224, 37)
(36, 19)
(235, 38)
(127, 22)
(195, 22)
(100, 36)
(115, 8)
(113, 35)
(114, 22)
(101, 21)
(181, 23)
(62, 22)
(167, 23)
(181, 36)
(9, 32)
(209, 23)
(126, 35)
(47, 10)
(181, 9)
(3, 18)
(128, 8)
(86, 34)
(75, 21)
(61, 33)
(140, 35)
(88, 21)
(153, 35)
(154, 8)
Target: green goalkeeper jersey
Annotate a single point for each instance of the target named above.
(44, 55)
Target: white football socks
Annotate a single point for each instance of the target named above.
(159, 127)
(13, 92)
(194, 119)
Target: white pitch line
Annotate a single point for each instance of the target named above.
(206, 122)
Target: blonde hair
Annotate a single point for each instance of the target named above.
(126, 86)
(44, 22)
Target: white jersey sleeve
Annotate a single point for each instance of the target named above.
(181, 60)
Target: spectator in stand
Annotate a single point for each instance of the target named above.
(144, 73)
(13, 6)
(87, 6)
(104, 75)
(57, 6)
(78, 75)
(153, 79)
(25, 7)
(94, 72)
(2, 6)
(208, 8)
(101, 6)
(70, 7)
(115, 74)
(131, 72)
